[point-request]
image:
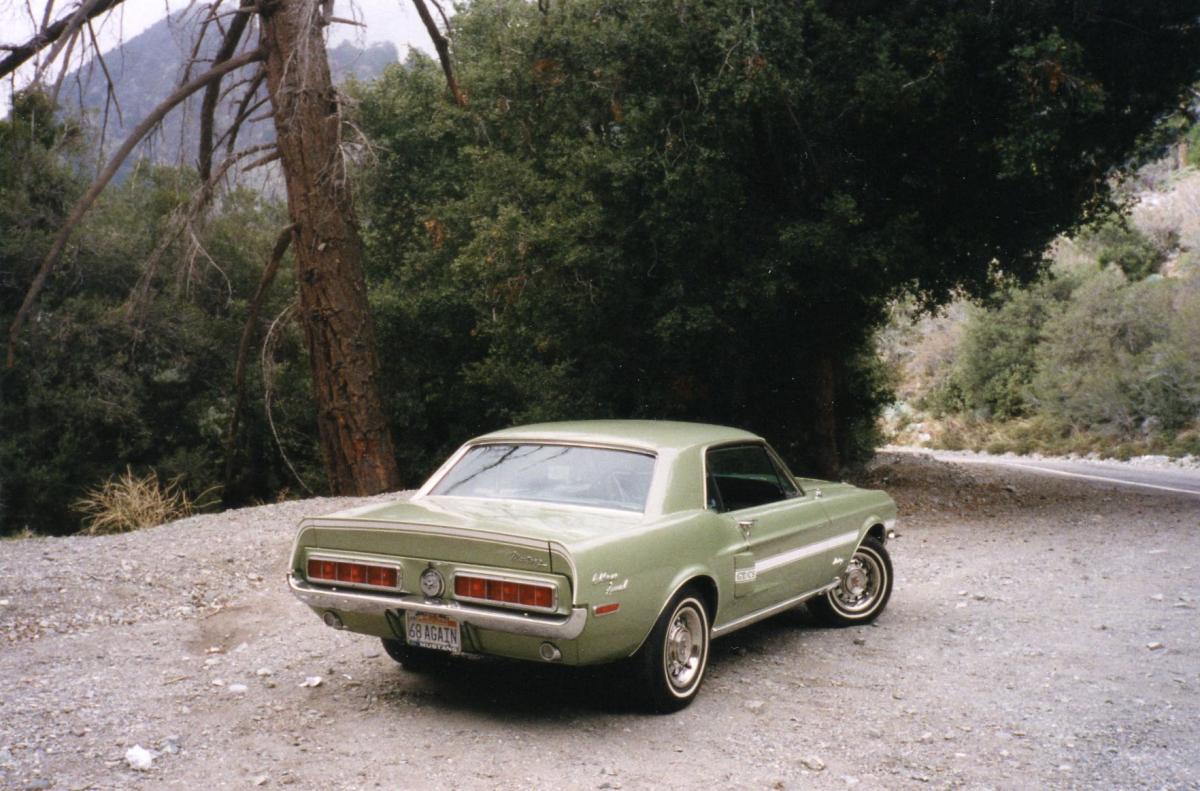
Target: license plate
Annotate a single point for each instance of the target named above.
(433, 631)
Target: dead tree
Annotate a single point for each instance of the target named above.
(353, 429)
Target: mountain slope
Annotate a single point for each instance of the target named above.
(147, 67)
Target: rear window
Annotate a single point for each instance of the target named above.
(568, 474)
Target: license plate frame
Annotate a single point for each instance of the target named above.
(434, 632)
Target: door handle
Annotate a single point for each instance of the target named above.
(746, 525)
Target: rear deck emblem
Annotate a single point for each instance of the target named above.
(517, 557)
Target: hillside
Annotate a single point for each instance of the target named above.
(148, 66)
(1095, 358)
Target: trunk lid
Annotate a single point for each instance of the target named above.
(507, 534)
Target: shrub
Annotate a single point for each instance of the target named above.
(129, 502)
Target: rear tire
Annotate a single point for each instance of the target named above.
(413, 658)
(670, 665)
(863, 589)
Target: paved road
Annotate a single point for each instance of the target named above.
(1148, 478)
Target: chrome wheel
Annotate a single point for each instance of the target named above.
(862, 590)
(860, 584)
(670, 664)
(685, 649)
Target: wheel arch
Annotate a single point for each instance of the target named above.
(705, 582)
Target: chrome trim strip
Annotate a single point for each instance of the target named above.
(489, 536)
(573, 577)
(567, 628)
(796, 555)
(520, 580)
(767, 612)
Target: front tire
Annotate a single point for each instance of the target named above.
(672, 661)
(863, 589)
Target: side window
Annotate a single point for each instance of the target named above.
(743, 476)
(785, 479)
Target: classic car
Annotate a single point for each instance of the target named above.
(598, 541)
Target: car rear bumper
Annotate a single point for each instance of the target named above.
(340, 600)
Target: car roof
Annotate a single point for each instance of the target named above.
(652, 435)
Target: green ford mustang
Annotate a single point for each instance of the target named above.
(598, 541)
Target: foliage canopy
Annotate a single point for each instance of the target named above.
(689, 209)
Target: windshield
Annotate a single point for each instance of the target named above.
(552, 473)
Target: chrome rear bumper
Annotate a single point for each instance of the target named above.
(554, 628)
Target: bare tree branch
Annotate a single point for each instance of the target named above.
(212, 92)
(111, 86)
(46, 14)
(74, 25)
(245, 108)
(282, 242)
(181, 219)
(269, 158)
(442, 13)
(20, 53)
(442, 45)
(66, 66)
(85, 202)
(268, 369)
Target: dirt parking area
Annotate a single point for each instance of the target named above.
(1043, 633)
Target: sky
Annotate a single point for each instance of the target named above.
(386, 20)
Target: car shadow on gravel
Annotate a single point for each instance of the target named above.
(509, 689)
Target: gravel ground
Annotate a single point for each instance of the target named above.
(1043, 634)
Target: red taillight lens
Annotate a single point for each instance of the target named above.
(352, 573)
(322, 570)
(541, 597)
(521, 593)
(382, 576)
(472, 587)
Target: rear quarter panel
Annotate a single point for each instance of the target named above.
(641, 569)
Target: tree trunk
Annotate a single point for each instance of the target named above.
(825, 427)
(355, 439)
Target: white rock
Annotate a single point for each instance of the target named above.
(237, 689)
(261, 780)
(1154, 646)
(813, 762)
(312, 681)
(264, 671)
(755, 705)
(139, 758)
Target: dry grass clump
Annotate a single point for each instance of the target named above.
(129, 502)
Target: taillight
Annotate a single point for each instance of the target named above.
(524, 594)
(352, 573)
(381, 576)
